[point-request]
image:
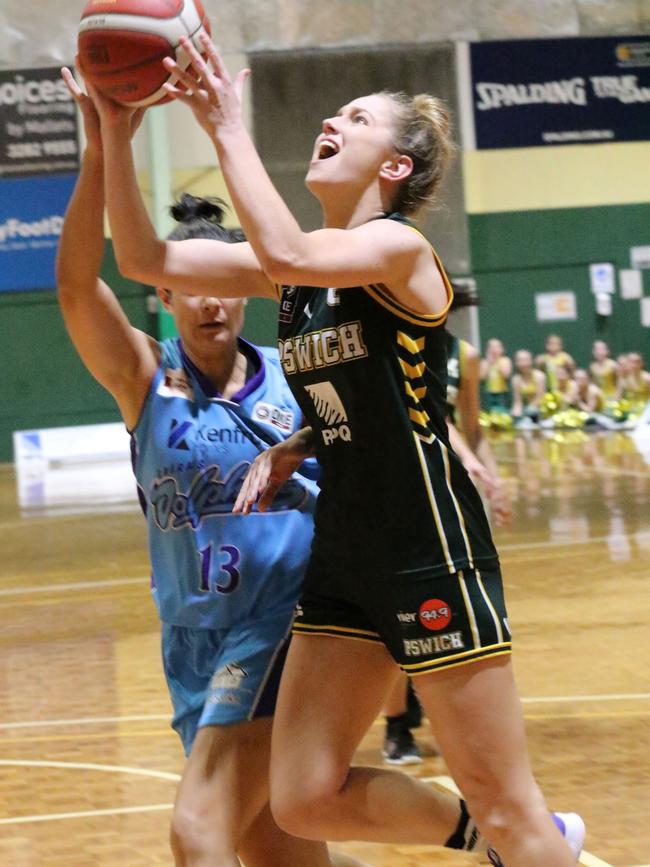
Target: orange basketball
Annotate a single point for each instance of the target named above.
(122, 44)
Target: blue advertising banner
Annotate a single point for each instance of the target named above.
(31, 216)
(538, 92)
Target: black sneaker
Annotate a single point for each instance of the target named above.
(401, 749)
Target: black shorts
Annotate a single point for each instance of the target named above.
(426, 622)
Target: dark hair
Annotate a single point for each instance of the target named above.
(465, 294)
(422, 132)
(202, 218)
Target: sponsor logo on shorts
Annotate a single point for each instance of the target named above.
(229, 676)
(225, 698)
(435, 644)
(434, 614)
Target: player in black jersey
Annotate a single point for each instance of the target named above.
(403, 566)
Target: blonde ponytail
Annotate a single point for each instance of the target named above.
(422, 132)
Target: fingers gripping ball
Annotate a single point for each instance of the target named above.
(122, 44)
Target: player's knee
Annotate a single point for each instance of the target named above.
(297, 805)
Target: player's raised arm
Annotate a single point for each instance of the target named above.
(120, 357)
(345, 253)
(195, 266)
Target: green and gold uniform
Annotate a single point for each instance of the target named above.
(550, 363)
(496, 387)
(605, 377)
(402, 550)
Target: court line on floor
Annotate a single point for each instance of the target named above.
(446, 783)
(443, 782)
(90, 766)
(110, 720)
(87, 766)
(86, 721)
(77, 585)
(84, 814)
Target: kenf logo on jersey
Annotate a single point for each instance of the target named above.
(178, 435)
(330, 408)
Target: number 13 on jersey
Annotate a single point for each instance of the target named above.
(219, 572)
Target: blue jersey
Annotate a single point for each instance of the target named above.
(191, 451)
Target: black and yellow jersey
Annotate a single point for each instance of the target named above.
(371, 377)
(456, 360)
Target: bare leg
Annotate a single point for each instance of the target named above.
(221, 807)
(477, 718)
(332, 690)
(266, 846)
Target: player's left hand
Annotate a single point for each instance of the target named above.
(501, 505)
(266, 475)
(112, 115)
(492, 487)
(207, 88)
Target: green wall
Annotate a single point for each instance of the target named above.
(518, 254)
(43, 383)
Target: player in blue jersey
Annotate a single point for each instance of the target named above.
(200, 408)
(403, 567)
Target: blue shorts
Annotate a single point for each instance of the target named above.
(221, 677)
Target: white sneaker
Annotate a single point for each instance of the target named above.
(572, 829)
(570, 826)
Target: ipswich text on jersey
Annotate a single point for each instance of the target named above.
(323, 348)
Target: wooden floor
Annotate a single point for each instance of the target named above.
(88, 763)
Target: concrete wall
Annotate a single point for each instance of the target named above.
(43, 31)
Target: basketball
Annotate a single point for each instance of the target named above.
(122, 44)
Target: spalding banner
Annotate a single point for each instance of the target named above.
(39, 158)
(537, 92)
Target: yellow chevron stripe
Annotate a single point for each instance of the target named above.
(420, 418)
(411, 345)
(416, 393)
(410, 370)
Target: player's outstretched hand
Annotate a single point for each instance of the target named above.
(99, 111)
(207, 88)
(266, 475)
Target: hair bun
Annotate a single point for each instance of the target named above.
(190, 208)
